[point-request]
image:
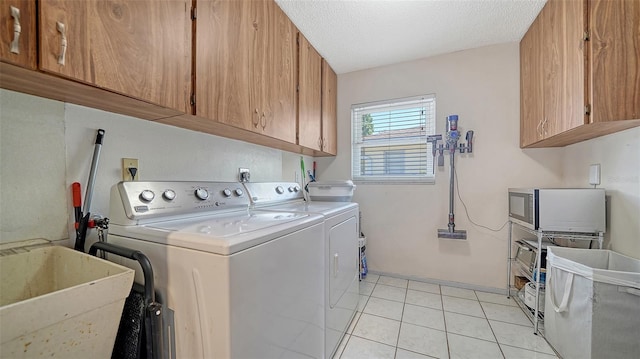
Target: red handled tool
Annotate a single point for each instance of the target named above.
(77, 202)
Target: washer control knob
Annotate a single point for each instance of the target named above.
(147, 195)
(169, 195)
(239, 192)
(296, 189)
(226, 192)
(279, 190)
(291, 189)
(202, 193)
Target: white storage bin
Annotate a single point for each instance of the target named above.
(331, 191)
(592, 303)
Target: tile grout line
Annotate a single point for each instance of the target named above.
(446, 333)
(490, 327)
(404, 304)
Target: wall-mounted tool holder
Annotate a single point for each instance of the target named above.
(451, 139)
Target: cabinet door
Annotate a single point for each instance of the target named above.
(272, 75)
(329, 109)
(141, 49)
(615, 60)
(531, 95)
(18, 35)
(224, 33)
(309, 96)
(563, 65)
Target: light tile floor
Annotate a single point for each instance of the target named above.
(399, 318)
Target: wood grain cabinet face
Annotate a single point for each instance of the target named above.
(309, 96)
(274, 68)
(224, 33)
(141, 49)
(532, 97)
(615, 59)
(552, 64)
(564, 66)
(329, 110)
(18, 34)
(580, 72)
(246, 66)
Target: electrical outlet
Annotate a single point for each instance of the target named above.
(244, 175)
(594, 174)
(130, 169)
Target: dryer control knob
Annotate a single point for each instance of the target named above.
(296, 189)
(291, 189)
(202, 193)
(147, 195)
(226, 192)
(239, 192)
(169, 195)
(279, 190)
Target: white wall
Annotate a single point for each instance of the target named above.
(401, 221)
(32, 172)
(47, 145)
(619, 157)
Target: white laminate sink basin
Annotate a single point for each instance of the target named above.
(61, 303)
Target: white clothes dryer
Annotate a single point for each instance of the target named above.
(341, 251)
(242, 284)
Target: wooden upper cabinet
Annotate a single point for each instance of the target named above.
(309, 96)
(273, 75)
(18, 35)
(141, 49)
(564, 66)
(580, 73)
(224, 34)
(329, 110)
(531, 95)
(615, 64)
(245, 66)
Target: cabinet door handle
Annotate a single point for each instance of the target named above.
(538, 130)
(319, 143)
(263, 121)
(335, 265)
(63, 42)
(544, 124)
(17, 29)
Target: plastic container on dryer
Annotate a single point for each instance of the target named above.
(331, 191)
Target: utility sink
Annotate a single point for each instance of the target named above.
(58, 302)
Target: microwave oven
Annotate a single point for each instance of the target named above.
(579, 210)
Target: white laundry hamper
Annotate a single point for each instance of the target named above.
(592, 303)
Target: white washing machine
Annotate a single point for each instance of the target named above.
(341, 249)
(242, 284)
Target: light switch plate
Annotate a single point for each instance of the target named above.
(594, 174)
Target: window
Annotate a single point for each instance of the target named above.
(390, 140)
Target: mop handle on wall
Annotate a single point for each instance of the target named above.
(81, 234)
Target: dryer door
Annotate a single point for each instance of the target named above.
(343, 257)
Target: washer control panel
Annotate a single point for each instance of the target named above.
(273, 192)
(153, 199)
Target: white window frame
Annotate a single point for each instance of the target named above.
(357, 143)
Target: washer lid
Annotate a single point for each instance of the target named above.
(324, 208)
(224, 235)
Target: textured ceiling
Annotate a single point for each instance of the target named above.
(359, 34)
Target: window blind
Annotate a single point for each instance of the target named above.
(390, 140)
